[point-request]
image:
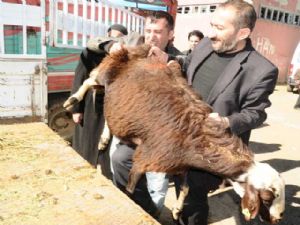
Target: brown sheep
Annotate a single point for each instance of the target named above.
(149, 104)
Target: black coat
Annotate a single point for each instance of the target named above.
(87, 134)
(242, 91)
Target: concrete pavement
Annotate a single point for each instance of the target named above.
(277, 142)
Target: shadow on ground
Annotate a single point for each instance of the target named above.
(225, 205)
(260, 148)
(283, 165)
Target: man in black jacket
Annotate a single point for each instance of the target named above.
(88, 115)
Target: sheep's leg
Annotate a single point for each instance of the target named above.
(78, 96)
(135, 172)
(178, 206)
(133, 179)
(104, 137)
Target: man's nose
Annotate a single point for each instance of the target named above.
(151, 35)
(211, 33)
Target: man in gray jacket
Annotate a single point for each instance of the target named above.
(236, 81)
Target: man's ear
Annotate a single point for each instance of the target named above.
(244, 33)
(171, 35)
(250, 202)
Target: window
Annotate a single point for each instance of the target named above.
(280, 18)
(186, 9)
(296, 20)
(196, 9)
(290, 18)
(286, 18)
(203, 9)
(262, 12)
(13, 39)
(276, 15)
(207, 8)
(212, 8)
(269, 14)
(34, 41)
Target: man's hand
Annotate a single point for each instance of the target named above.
(219, 118)
(158, 54)
(77, 117)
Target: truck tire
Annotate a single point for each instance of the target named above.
(60, 121)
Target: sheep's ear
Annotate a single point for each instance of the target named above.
(267, 194)
(238, 187)
(250, 202)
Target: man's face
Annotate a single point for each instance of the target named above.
(157, 33)
(224, 34)
(193, 41)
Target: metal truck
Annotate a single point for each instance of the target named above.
(40, 44)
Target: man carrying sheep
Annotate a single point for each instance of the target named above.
(159, 32)
(236, 81)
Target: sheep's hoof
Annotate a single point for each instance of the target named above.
(130, 190)
(69, 104)
(103, 143)
(176, 213)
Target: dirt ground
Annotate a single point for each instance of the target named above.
(64, 187)
(43, 181)
(277, 142)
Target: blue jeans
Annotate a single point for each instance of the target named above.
(157, 184)
(150, 191)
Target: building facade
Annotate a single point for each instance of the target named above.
(276, 34)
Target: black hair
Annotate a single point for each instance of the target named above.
(154, 15)
(118, 27)
(245, 13)
(197, 33)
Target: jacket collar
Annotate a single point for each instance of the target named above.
(228, 74)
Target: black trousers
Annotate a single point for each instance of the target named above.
(195, 210)
(297, 105)
(122, 163)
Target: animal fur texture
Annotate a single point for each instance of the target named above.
(150, 105)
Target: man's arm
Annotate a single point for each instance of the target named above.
(252, 113)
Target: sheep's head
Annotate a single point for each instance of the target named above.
(263, 194)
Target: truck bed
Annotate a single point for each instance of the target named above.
(44, 181)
